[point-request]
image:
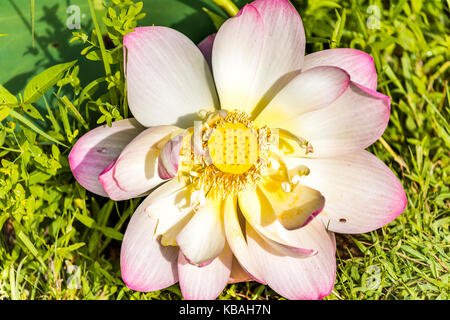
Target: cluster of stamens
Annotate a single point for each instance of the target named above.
(229, 156)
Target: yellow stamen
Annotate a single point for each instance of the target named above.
(234, 154)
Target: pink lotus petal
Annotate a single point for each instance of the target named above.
(256, 53)
(97, 149)
(206, 282)
(235, 57)
(297, 278)
(206, 46)
(362, 193)
(135, 170)
(357, 63)
(311, 90)
(351, 123)
(168, 79)
(146, 265)
(283, 52)
(111, 187)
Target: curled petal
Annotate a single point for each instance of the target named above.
(169, 158)
(97, 149)
(135, 170)
(295, 208)
(358, 64)
(259, 214)
(111, 187)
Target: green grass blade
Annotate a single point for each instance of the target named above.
(33, 127)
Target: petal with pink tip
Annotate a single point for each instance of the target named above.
(311, 90)
(146, 265)
(111, 187)
(362, 193)
(297, 278)
(357, 63)
(352, 122)
(256, 53)
(283, 52)
(203, 238)
(168, 79)
(136, 169)
(235, 57)
(293, 208)
(97, 149)
(260, 215)
(206, 46)
(204, 283)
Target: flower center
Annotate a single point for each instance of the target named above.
(233, 148)
(229, 153)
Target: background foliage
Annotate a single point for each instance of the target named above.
(60, 242)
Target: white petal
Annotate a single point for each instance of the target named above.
(204, 283)
(256, 53)
(297, 278)
(236, 239)
(362, 193)
(171, 208)
(146, 265)
(168, 79)
(283, 52)
(235, 57)
(203, 238)
(309, 91)
(352, 122)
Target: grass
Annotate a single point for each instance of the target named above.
(59, 242)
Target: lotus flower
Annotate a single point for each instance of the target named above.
(209, 218)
